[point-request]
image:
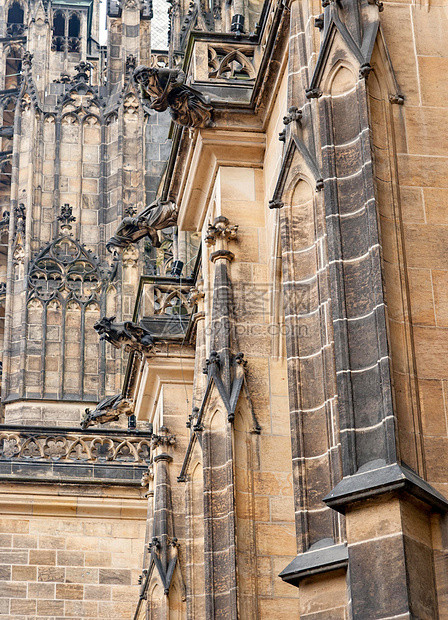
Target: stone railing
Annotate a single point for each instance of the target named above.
(69, 44)
(224, 61)
(15, 30)
(163, 306)
(231, 62)
(223, 68)
(73, 446)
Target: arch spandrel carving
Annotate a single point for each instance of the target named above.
(64, 270)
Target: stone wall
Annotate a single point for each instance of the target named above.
(70, 552)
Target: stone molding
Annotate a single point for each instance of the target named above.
(381, 479)
(213, 149)
(66, 446)
(315, 561)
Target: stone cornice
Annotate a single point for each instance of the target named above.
(25, 501)
(174, 366)
(212, 148)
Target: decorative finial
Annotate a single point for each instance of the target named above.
(66, 218)
(83, 70)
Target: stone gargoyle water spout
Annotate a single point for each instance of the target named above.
(108, 410)
(166, 89)
(134, 337)
(158, 215)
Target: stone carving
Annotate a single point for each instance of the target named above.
(49, 445)
(108, 410)
(319, 21)
(313, 93)
(166, 89)
(27, 59)
(158, 215)
(147, 478)
(220, 229)
(131, 106)
(65, 270)
(170, 299)
(66, 217)
(379, 4)
(83, 70)
(159, 61)
(7, 131)
(294, 114)
(131, 63)
(226, 61)
(195, 294)
(365, 70)
(127, 333)
(15, 30)
(163, 439)
(397, 99)
(4, 222)
(213, 361)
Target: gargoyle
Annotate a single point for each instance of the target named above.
(166, 89)
(157, 216)
(7, 131)
(107, 410)
(127, 333)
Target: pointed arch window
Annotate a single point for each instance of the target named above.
(58, 42)
(66, 32)
(13, 67)
(7, 128)
(74, 26)
(15, 14)
(64, 269)
(74, 29)
(15, 26)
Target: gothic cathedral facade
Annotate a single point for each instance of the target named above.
(223, 309)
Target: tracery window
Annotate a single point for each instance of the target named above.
(74, 28)
(65, 270)
(13, 67)
(58, 41)
(66, 32)
(15, 26)
(7, 124)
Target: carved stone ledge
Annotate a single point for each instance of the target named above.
(62, 446)
(225, 254)
(322, 557)
(163, 457)
(376, 478)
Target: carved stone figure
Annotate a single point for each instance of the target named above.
(166, 89)
(220, 229)
(107, 410)
(133, 336)
(157, 216)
